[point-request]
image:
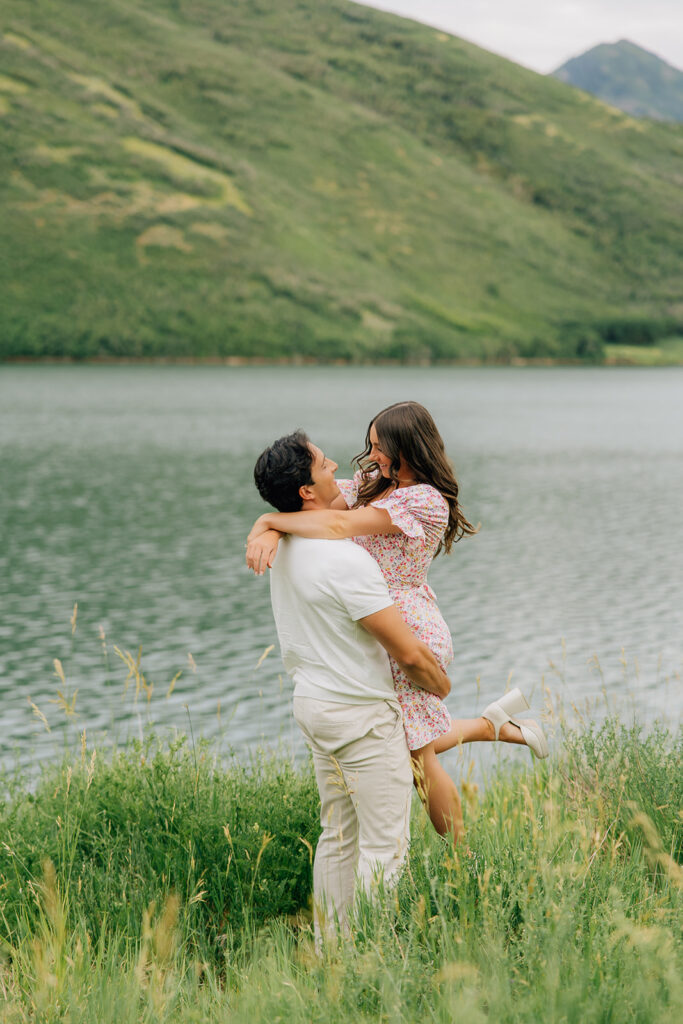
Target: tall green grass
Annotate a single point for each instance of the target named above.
(158, 883)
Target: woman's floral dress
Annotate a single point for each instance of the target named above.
(421, 513)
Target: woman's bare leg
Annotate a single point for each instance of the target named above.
(438, 792)
(475, 730)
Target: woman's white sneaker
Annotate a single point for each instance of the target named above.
(504, 710)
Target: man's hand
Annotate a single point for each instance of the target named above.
(261, 551)
(414, 658)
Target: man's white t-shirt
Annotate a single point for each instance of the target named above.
(319, 589)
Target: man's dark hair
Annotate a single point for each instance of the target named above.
(282, 469)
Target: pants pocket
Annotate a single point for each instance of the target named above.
(388, 723)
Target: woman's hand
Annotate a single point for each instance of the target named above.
(261, 550)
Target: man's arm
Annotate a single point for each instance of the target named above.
(414, 657)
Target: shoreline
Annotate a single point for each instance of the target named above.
(240, 361)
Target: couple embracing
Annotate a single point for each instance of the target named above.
(349, 562)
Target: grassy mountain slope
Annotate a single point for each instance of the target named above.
(628, 77)
(315, 178)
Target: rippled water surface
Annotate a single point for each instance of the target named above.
(129, 490)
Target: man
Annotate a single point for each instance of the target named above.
(336, 623)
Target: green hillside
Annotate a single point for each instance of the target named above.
(628, 77)
(314, 178)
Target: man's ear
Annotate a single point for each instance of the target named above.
(306, 492)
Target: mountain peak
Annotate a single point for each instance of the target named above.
(629, 77)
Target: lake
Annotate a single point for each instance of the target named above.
(129, 490)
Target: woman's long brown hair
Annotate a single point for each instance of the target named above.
(407, 429)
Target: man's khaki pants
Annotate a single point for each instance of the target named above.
(365, 780)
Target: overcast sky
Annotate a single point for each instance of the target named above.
(542, 34)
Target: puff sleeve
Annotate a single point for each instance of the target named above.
(420, 512)
(349, 489)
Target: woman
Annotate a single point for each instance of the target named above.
(402, 506)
